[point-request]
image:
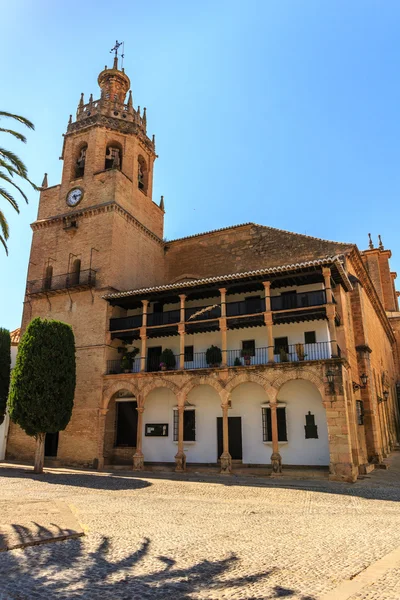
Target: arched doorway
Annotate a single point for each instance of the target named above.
(307, 431)
(121, 428)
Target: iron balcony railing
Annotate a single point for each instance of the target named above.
(298, 300)
(196, 314)
(245, 307)
(234, 358)
(86, 278)
(119, 324)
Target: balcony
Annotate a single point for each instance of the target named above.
(293, 353)
(59, 283)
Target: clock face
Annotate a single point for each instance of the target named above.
(74, 196)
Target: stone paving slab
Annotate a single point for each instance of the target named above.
(35, 522)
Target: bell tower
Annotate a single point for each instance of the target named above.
(97, 231)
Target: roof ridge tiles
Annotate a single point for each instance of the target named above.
(217, 278)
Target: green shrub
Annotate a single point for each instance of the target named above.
(5, 366)
(168, 358)
(214, 355)
(43, 381)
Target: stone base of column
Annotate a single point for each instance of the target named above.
(276, 463)
(365, 468)
(226, 463)
(343, 472)
(138, 461)
(375, 459)
(100, 463)
(180, 460)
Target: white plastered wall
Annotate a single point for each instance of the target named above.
(5, 424)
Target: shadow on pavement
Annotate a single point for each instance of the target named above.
(66, 570)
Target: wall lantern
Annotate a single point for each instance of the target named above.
(386, 395)
(330, 375)
(362, 385)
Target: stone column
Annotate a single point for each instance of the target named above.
(223, 327)
(181, 329)
(180, 457)
(226, 459)
(341, 467)
(276, 459)
(326, 272)
(330, 310)
(143, 335)
(138, 458)
(100, 439)
(268, 320)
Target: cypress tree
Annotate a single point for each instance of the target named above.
(43, 382)
(5, 366)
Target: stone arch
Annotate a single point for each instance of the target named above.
(158, 382)
(78, 164)
(290, 375)
(115, 387)
(252, 377)
(143, 174)
(201, 380)
(113, 156)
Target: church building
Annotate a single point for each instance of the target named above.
(246, 345)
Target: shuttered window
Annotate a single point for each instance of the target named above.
(267, 427)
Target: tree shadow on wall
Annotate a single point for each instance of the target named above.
(67, 570)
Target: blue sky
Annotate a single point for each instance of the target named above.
(281, 112)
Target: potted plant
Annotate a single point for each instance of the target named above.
(300, 351)
(283, 355)
(247, 354)
(237, 362)
(128, 360)
(214, 356)
(167, 359)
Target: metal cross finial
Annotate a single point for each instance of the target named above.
(115, 50)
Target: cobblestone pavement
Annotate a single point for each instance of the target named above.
(193, 537)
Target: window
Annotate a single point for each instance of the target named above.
(74, 276)
(267, 426)
(189, 353)
(281, 344)
(310, 337)
(142, 174)
(48, 277)
(189, 425)
(360, 412)
(126, 424)
(80, 162)
(250, 347)
(113, 158)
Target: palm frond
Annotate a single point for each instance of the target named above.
(15, 161)
(4, 229)
(6, 165)
(7, 196)
(4, 225)
(6, 178)
(18, 118)
(16, 134)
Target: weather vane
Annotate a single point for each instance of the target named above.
(115, 50)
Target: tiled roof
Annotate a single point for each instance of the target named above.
(15, 336)
(311, 237)
(232, 276)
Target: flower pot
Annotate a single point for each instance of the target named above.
(127, 370)
(247, 361)
(164, 368)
